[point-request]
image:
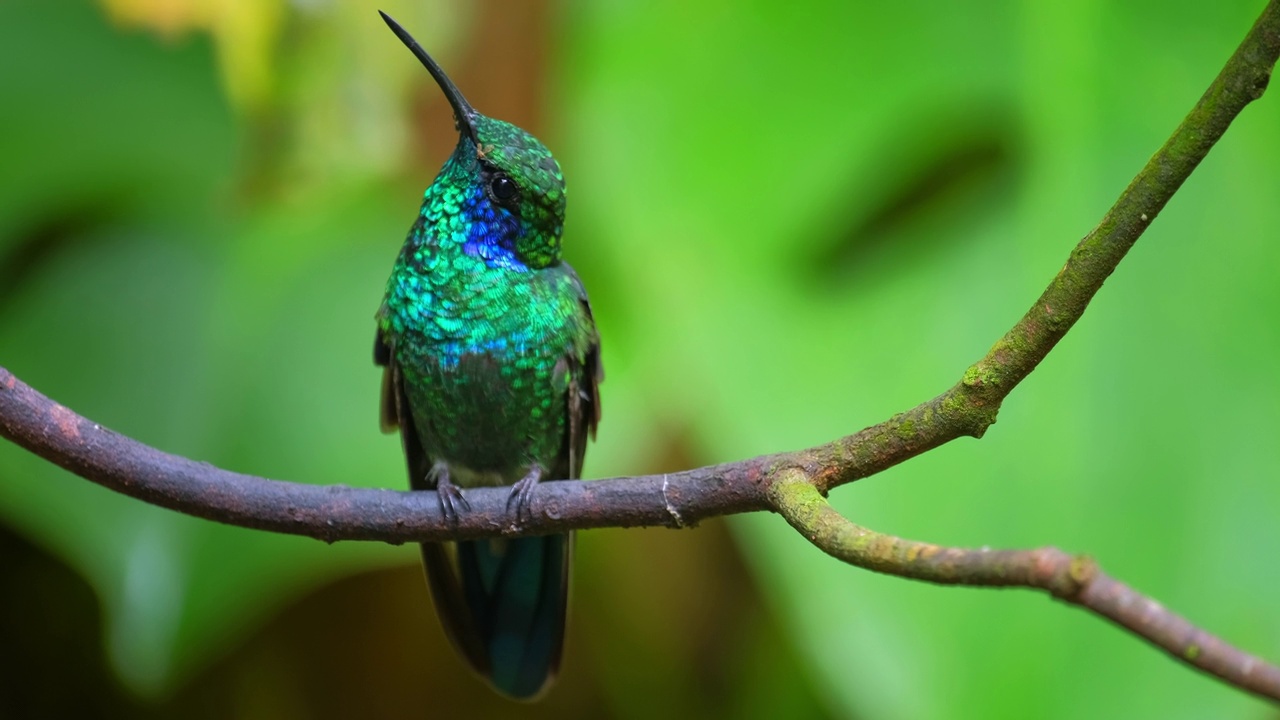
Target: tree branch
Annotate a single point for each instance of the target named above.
(970, 407)
(1077, 579)
(338, 512)
(774, 482)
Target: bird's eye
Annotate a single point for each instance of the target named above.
(503, 188)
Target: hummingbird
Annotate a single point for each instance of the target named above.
(491, 373)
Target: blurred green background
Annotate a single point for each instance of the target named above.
(794, 220)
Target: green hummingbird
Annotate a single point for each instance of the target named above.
(492, 374)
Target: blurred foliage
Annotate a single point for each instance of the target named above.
(245, 34)
(790, 228)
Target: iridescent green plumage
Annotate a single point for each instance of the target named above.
(492, 368)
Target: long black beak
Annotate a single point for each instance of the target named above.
(464, 115)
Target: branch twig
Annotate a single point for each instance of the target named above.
(1077, 579)
(791, 483)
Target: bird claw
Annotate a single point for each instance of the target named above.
(522, 494)
(450, 495)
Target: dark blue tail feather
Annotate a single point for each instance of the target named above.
(508, 600)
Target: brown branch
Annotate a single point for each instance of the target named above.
(338, 512)
(967, 409)
(1076, 579)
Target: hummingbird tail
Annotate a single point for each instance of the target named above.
(502, 603)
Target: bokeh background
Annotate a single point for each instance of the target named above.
(794, 220)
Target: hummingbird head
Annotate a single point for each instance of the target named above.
(516, 195)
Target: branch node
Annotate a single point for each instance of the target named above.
(1260, 83)
(1065, 575)
(671, 508)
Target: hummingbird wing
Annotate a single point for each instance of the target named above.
(583, 400)
(439, 559)
(389, 410)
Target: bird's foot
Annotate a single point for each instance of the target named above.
(522, 494)
(450, 495)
